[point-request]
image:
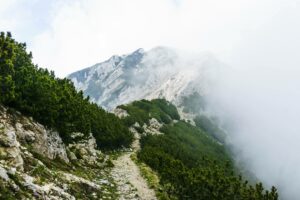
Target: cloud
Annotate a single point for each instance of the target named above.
(262, 108)
(69, 35)
(259, 95)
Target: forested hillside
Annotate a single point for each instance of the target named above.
(189, 161)
(52, 101)
(191, 164)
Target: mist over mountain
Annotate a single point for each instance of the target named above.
(158, 73)
(250, 104)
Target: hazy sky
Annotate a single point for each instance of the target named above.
(67, 35)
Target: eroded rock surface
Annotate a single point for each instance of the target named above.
(36, 164)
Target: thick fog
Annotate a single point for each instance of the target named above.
(261, 109)
(258, 96)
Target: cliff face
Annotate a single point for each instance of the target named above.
(36, 164)
(18, 133)
(158, 73)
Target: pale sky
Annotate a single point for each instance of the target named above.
(68, 35)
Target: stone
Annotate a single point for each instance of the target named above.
(72, 156)
(83, 152)
(8, 137)
(153, 128)
(3, 174)
(12, 171)
(120, 113)
(14, 158)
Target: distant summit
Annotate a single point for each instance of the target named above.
(157, 73)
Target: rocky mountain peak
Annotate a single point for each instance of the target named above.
(157, 73)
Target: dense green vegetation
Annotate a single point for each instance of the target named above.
(191, 164)
(142, 111)
(52, 101)
(210, 127)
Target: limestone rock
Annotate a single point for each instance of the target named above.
(120, 113)
(3, 174)
(17, 132)
(153, 127)
(29, 170)
(84, 149)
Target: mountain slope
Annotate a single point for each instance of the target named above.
(189, 162)
(158, 73)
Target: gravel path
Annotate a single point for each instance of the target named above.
(127, 176)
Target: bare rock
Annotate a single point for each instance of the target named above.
(3, 174)
(85, 149)
(120, 113)
(153, 127)
(9, 146)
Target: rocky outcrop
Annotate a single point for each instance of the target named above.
(10, 152)
(119, 112)
(153, 127)
(84, 150)
(36, 164)
(18, 132)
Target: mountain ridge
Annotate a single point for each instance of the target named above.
(158, 73)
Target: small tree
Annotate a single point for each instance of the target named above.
(7, 56)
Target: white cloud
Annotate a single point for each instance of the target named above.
(80, 33)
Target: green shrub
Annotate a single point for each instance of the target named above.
(142, 111)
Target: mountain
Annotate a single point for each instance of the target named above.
(55, 144)
(158, 73)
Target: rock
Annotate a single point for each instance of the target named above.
(77, 136)
(17, 131)
(8, 137)
(73, 178)
(153, 127)
(102, 181)
(12, 171)
(49, 144)
(28, 136)
(83, 152)
(120, 113)
(14, 158)
(24, 131)
(3, 174)
(10, 151)
(136, 124)
(65, 187)
(3, 153)
(72, 156)
(85, 149)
